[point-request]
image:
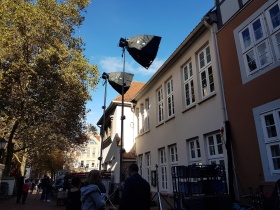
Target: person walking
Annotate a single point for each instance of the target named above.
(44, 186)
(136, 194)
(25, 190)
(91, 197)
(20, 183)
(73, 201)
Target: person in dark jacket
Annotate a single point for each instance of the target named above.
(136, 193)
(73, 201)
(91, 197)
(20, 183)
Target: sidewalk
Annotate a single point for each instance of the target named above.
(33, 202)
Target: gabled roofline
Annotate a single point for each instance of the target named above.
(112, 106)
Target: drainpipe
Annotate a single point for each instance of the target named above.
(231, 172)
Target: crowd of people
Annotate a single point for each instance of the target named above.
(136, 194)
(91, 195)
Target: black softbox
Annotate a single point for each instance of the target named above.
(116, 80)
(142, 48)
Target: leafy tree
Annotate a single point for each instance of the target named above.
(92, 129)
(45, 78)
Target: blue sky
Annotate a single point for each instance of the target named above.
(109, 20)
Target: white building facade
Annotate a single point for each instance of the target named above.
(84, 158)
(180, 112)
(111, 148)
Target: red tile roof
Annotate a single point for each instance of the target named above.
(132, 91)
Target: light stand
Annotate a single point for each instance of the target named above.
(143, 49)
(158, 193)
(122, 113)
(105, 76)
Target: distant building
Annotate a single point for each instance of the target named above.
(84, 159)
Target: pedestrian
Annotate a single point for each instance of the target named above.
(73, 201)
(32, 185)
(49, 190)
(25, 190)
(136, 193)
(44, 186)
(20, 183)
(91, 197)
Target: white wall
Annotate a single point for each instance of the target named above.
(204, 117)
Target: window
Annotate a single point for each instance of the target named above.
(140, 163)
(147, 114)
(273, 17)
(255, 49)
(142, 118)
(160, 105)
(267, 121)
(194, 151)
(205, 72)
(82, 164)
(162, 169)
(173, 154)
(215, 149)
(138, 121)
(258, 41)
(93, 152)
(148, 166)
(170, 98)
(92, 164)
(76, 164)
(271, 131)
(188, 84)
(83, 152)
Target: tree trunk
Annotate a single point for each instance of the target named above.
(23, 164)
(10, 150)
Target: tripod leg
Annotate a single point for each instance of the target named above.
(159, 201)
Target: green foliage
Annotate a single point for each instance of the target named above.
(45, 78)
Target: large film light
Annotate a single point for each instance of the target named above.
(142, 48)
(119, 79)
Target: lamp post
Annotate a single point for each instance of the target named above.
(3, 144)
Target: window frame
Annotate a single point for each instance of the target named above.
(140, 164)
(142, 119)
(170, 98)
(269, 41)
(273, 141)
(207, 84)
(162, 170)
(148, 166)
(196, 149)
(160, 106)
(137, 114)
(218, 157)
(173, 154)
(147, 114)
(188, 81)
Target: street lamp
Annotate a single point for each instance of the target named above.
(3, 144)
